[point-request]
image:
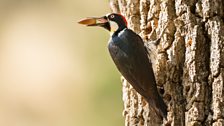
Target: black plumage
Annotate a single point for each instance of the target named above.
(130, 57)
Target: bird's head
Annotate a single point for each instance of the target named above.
(112, 22)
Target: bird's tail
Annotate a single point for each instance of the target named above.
(159, 107)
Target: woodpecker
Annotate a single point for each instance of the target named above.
(131, 58)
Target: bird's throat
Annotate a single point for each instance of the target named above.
(114, 27)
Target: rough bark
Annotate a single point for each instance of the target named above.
(189, 65)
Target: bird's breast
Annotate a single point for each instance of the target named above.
(116, 51)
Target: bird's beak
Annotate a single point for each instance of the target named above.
(94, 21)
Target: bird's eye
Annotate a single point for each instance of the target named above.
(111, 16)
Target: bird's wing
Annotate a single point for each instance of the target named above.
(129, 54)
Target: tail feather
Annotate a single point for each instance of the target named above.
(159, 107)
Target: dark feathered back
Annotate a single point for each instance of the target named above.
(130, 56)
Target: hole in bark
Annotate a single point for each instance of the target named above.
(168, 123)
(187, 88)
(193, 8)
(161, 91)
(168, 97)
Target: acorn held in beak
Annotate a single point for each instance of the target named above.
(94, 21)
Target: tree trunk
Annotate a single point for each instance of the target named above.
(189, 65)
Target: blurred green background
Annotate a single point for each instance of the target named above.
(54, 72)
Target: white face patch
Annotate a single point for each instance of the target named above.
(114, 26)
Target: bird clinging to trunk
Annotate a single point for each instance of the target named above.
(131, 59)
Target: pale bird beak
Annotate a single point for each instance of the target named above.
(94, 21)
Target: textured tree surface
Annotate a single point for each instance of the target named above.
(189, 60)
